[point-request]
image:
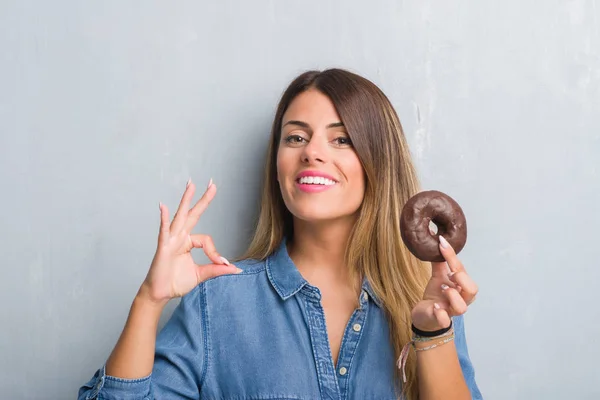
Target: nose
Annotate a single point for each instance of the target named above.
(315, 151)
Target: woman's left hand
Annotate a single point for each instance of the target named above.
(449, 292)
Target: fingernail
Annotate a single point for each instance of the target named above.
(444, 286)
(444, 242)
(436, 306)
(160, 206)
(188, 182)
(209, 184)
(238, 270)
(224, 261)
(451, 274)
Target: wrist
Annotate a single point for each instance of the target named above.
(430, 344)
(430, 333)
(145, 299)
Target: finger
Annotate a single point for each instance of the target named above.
(199, 208)
(439, 269)
(182, 211)
(458, 306)
(205, 272)
(441, 315)
(469, 287)
(163, 233)
(448, 252)
(206, 243)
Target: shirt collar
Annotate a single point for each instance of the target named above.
(287, 280)
(283, 274)
(366, 286)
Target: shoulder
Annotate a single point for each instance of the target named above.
(234, 302)
(250, 266)
(253, 272)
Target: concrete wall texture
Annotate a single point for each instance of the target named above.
(108, 107)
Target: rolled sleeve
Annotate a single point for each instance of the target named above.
(464, 359)
(178, 362)
(106, 387)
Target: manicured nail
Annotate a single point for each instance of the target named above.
(224, 261)
(444, 286)
(436, 306)
(238, 270)
(209, 184)
(444, 242)
(451, 274)
(188, 182)
(160, 206)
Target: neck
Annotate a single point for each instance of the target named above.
(318, 249)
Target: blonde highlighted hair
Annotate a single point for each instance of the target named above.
(375, 249)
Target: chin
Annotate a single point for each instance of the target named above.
(320, 215)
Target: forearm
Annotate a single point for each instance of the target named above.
(133, 355)
(440, 375)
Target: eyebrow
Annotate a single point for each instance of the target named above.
(305, 125)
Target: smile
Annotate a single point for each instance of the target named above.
(314, 184)
(315, 180)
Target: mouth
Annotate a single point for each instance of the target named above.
(315, 181)
(315, 184)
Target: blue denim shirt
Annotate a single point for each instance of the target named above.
(261, 334)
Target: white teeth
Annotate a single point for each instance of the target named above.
(316, 180)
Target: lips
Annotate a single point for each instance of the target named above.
(315, 174)
(315, 181)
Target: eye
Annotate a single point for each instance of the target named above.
(343, 141)
(294, 139)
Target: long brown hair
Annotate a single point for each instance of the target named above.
(375, 249)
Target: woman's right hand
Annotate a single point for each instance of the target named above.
(173, 272)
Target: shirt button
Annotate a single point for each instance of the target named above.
(356, 327)
(343, 371)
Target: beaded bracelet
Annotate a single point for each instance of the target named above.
(445, 338)
(433, 346)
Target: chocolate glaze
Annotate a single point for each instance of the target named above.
(440, 208)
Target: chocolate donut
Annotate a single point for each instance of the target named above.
(440, 208)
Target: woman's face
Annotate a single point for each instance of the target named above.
(318, 170)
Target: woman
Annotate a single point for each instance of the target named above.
(326, 297)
